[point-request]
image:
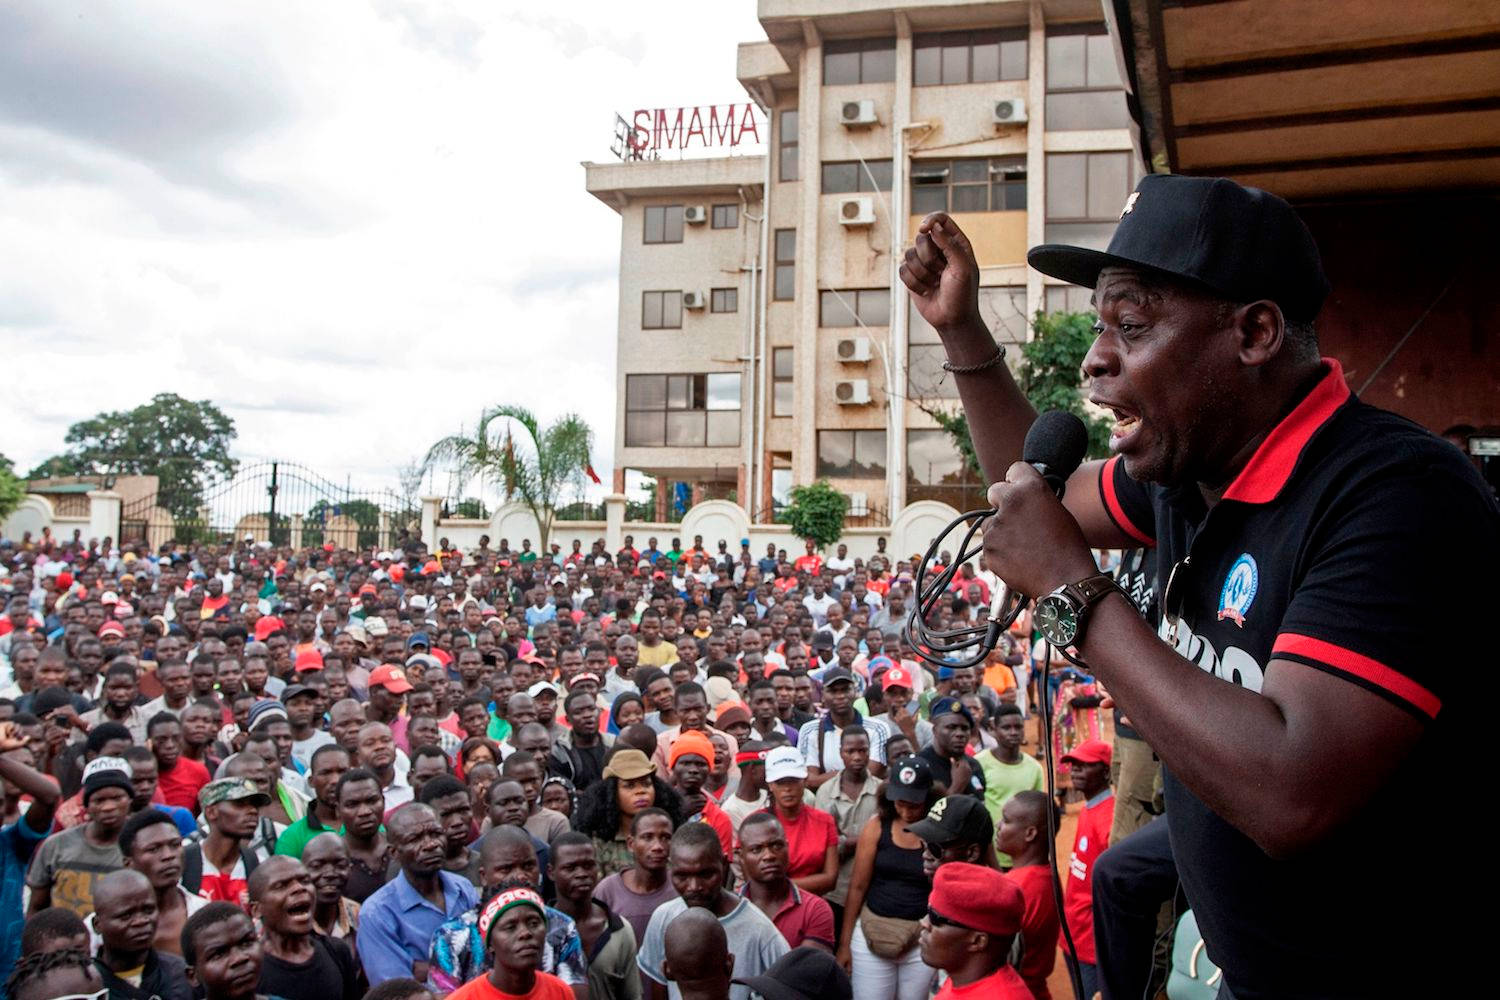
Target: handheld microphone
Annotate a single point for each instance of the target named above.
(1054, 447)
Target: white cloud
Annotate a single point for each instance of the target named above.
(352, 225)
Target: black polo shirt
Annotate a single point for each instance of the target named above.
(1356, 543)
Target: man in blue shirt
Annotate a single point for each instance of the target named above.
(19, 839)
(397, 921)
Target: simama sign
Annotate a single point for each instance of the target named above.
(652, 130)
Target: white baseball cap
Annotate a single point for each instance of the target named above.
(784, 762)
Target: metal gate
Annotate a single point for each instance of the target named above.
(280, 502)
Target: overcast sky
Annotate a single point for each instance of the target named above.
(351, 224)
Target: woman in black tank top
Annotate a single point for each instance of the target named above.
(878, 942)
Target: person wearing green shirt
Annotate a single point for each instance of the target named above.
(329, 763)
(526, 555)
(676, 553)
(1006, 769)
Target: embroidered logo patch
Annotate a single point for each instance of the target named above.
(907, 775)
(1239, 589)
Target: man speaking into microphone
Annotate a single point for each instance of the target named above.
(1314, 553)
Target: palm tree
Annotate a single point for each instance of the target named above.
(555, 461)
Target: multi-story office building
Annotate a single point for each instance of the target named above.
(765, 339)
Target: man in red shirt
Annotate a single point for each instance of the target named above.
(178, 779)
(801, 917)
(811, 563)
(973, 914)
(1089, 772)
(1023, 836)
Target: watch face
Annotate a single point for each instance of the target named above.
(1056, 620)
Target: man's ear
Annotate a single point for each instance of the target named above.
(192, 975)
(729, 966)
(1261, 331)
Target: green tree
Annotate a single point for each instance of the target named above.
(539, 470)
(472, 507)
(182, 442)
(643, 509)
(817, 511)
(1051, 376)
(12, 488)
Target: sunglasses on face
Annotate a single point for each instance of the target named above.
(936, 919)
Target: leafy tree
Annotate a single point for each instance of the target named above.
(643, 509)
(182, 442)
(817, 511)
(1051, 376)
(12, 488)
(547, 463)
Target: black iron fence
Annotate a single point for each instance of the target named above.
(280, 502)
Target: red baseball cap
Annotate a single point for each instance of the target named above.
(112, 628)
(392, 678)
(367, 588)
(267, 624)
(896, 677)
(977, 897)
(1090, 752)
(308, 659)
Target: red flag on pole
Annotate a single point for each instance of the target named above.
(591, 473)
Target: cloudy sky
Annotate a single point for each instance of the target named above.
(351, 224)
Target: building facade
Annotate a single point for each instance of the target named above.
(764, 337)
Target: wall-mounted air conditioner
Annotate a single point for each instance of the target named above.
(857, 210)
(854, 349)
(1011, 111)
(852, 392)
(853, 114)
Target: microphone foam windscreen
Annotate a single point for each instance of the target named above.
(1057, 440)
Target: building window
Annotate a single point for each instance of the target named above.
(724, 300)
(1003, 310)
(852, 176)
(785, 283)
(1067, 298)
(851, 454)
(726, 217)
(995, 184)
(859, 60)
(1083, 82)
(1085, 193)
(936, 471)
(781, 382)
(855, 307)
(682, 411)
(787, 152)
(663, 224)
(661, 310)
(969, 57)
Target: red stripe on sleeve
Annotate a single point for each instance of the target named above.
(1360, 666)
(1112, 505)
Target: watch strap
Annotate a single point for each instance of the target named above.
(1090, 590)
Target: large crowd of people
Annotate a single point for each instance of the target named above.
(241, 770)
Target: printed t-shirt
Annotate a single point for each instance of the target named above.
(1039, 926)
(546, 988)
(808, 839)
(232, 886)
(1002, 984)
(70, 865)
(1078, 889)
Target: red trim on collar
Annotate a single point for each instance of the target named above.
(1276, 458)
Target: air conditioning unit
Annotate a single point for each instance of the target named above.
(1011, 111)
(859, 504)
(695, 214)
(857, 210)
(852, 392)
(854, 349)
(694, 300)
(856, 113)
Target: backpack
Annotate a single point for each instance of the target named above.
(192, 866)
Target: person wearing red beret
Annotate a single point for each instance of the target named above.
(973, 915)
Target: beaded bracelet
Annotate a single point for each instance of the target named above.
(949, 366)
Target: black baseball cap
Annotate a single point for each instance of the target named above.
(910, 780)
(1241, 243)
(804, 973)
(956, 818)
(836, 675)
